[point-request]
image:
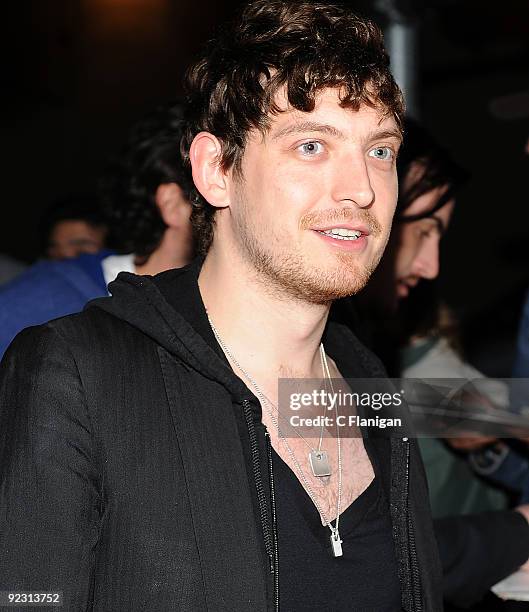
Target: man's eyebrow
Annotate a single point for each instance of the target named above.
(324, 128)
(386, 133)
(308, 126)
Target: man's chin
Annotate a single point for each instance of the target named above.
(330, 287)
(314, 278)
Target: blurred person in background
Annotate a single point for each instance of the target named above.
(504, 462)
(72, 226)
(481, 548)
(507, 461)
(430, 347)
(144, 195)
(145, 198)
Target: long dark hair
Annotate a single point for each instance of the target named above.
(434, 167)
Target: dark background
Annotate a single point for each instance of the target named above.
(77, 73)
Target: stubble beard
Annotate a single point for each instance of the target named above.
(287, 275)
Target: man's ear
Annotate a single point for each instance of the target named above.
(208, 176)
(174, 207)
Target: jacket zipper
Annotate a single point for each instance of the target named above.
(269, 535)
(274, 518)
(414, 566)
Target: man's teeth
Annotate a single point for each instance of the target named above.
(342, 233)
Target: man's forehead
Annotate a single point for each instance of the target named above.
(329, 114)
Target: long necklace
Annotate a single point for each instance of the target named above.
(336, 541)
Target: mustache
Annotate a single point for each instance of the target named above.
(342, 215)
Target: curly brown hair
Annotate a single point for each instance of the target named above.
(305, 46)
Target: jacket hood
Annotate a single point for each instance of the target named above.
(168, 308)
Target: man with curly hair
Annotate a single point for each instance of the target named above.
(145, 201)
(149, 424)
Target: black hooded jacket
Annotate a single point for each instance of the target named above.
(136, 473)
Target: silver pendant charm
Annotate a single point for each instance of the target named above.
(319, 463)
(336, 544)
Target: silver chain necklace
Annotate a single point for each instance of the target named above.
(336, 541)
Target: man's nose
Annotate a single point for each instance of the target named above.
(352, 183)
(427, 260)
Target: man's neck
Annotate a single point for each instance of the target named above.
(268, 333)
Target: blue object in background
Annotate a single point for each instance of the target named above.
(47, 290)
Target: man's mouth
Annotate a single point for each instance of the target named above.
(340, 233)
(343, 231)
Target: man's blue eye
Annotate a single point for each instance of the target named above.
(382, 153)
(311, 148)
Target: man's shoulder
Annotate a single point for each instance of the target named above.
(94, 329)
(92, 335)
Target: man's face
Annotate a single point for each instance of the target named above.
(70, 238)
(313, 209)
(416, 244)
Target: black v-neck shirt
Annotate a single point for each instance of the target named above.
(365, 578)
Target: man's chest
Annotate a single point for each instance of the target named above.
(348, 463)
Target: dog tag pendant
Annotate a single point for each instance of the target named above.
(319, 463)
(336, 544)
